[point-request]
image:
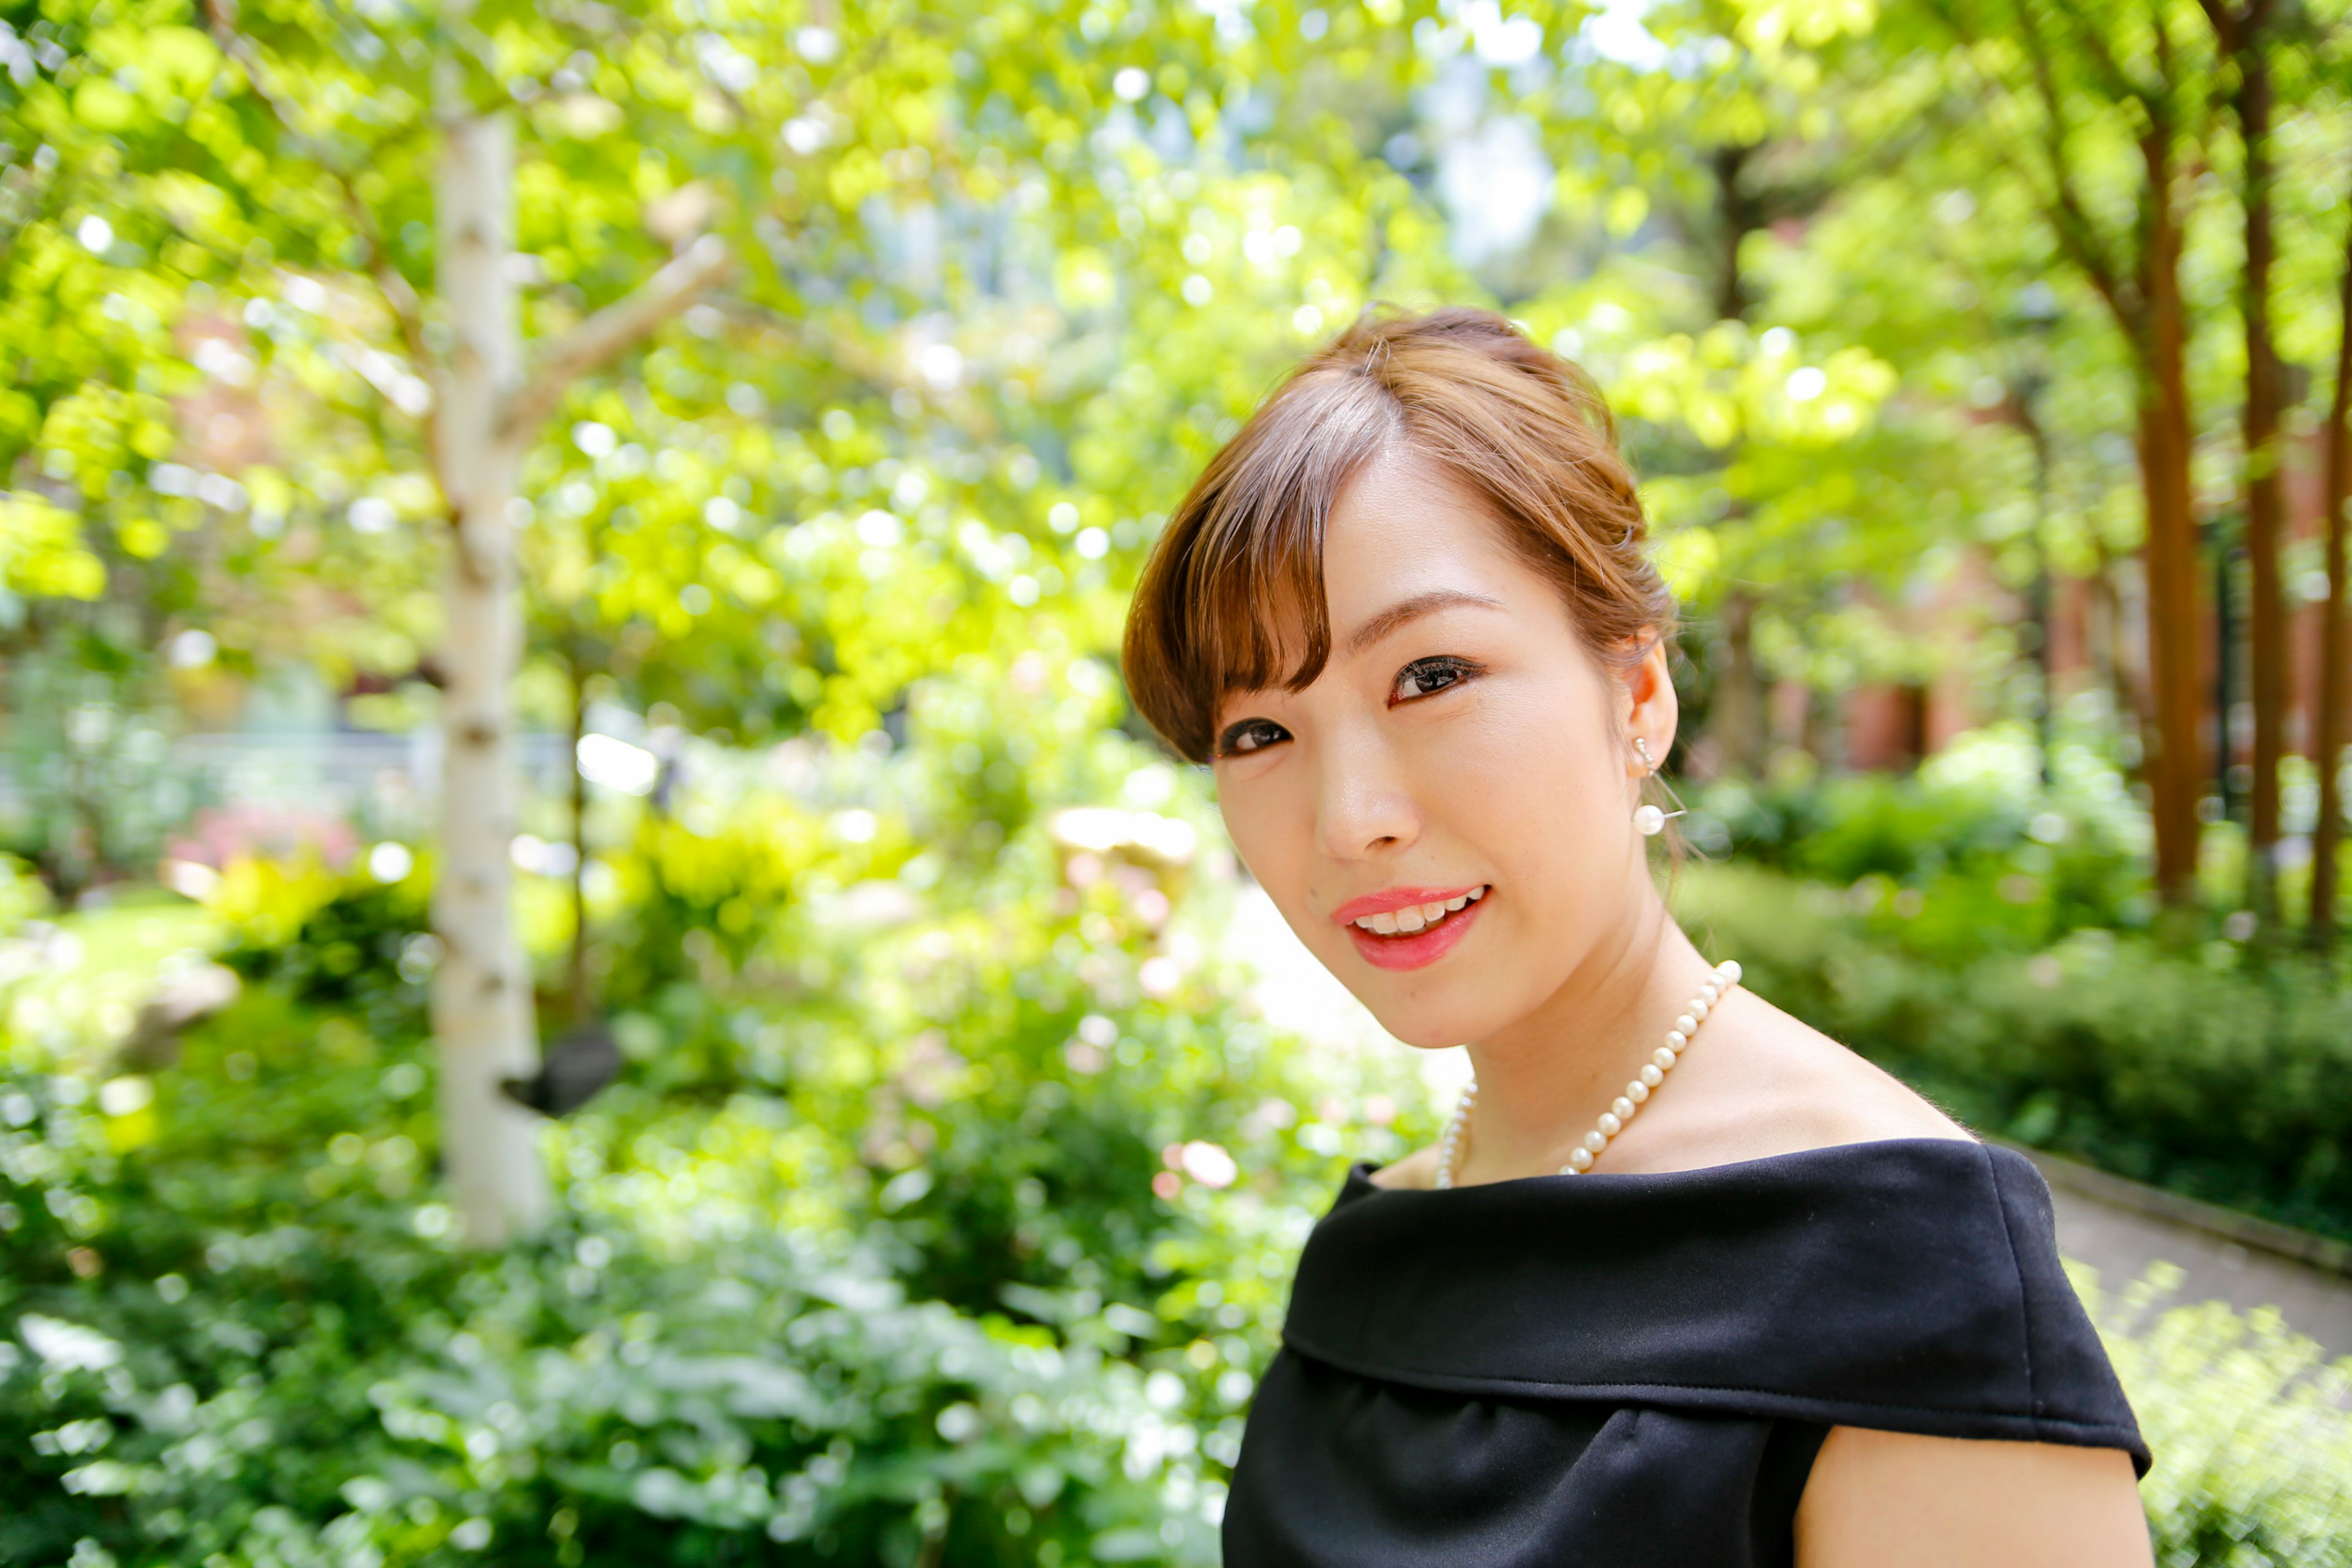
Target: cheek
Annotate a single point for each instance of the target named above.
(1530, 777)
(1264, 826)
(1271, 822)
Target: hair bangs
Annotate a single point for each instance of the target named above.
(1250, 587)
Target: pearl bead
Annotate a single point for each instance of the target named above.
(1649, 821)
(1620, 1109)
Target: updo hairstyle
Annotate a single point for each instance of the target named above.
(1521, 429)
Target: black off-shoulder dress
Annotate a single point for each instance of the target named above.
(1618, 1371)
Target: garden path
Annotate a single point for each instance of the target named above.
(2121, 1228)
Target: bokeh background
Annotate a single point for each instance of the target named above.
(584, 544)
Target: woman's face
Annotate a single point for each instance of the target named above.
(1445, 815)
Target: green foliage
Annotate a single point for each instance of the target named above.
(941, 1215)
(345, 941)
(2248, 1426)
(268, 1381)
(907, 1235)
(22, 895)
(1972, 852)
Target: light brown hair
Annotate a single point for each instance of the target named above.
(1523, 429)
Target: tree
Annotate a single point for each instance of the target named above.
(2064, 92)
(2244, 35)
(486, 415)
(485, 410)
(2336, 632)
(1758, 312)
(826, 151)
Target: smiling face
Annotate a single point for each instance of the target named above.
(1444, 814)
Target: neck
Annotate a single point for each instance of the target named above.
(1546, 1078)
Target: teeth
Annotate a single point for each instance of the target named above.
(1419, 916)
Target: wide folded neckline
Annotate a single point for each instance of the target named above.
(1360, 1172)
(1910, 1283)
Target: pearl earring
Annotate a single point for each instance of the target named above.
(1649, 821)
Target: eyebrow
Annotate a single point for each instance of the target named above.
(1397, 615)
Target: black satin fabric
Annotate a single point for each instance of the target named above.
(1627, 1370)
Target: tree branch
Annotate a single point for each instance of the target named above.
(2092, 42)
(2225, 20)
(2077, 232)
(615, 330)
(853, 358)
(399, 297)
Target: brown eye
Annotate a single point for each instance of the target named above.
(1427, 677)
(1250, 735)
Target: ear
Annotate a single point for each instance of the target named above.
(1651, 711)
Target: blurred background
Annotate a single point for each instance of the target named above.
(593, 964)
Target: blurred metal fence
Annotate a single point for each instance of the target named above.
(349, 763)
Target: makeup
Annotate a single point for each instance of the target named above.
(1410, 928)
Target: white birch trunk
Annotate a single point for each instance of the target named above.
(483, 1018)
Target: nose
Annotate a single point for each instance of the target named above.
(1365, 804)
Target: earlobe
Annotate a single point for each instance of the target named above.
(1650, 821)
(1651, 706)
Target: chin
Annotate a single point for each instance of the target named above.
(1451, 1016)
(1467, 993)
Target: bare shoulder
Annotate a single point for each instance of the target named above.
(1876, 1497)
(1758, 1083)
(1417, 1172)
(1829, 1087)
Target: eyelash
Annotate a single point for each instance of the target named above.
(1457, 670)
(1227, 742)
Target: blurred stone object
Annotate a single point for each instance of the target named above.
(1161, 843)
(193, 994)
(189, 879)
(1148, 856)
(570, 1073)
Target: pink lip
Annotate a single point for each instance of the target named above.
(1390, 899)
(1421, 948)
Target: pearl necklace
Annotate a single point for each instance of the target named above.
(1612, 1120)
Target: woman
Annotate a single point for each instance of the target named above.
(1686, 1282)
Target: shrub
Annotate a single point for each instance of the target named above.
(1974, 849)
(2215, 1072)
(943, 1214)
(916, 1230)
(2250, 1429)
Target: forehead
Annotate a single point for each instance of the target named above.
(1405, 527)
